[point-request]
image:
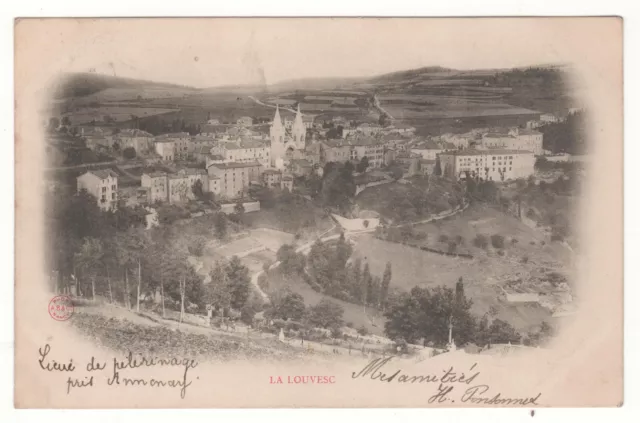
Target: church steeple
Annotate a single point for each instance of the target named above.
(298, 119)
(277, 121)
(298, 130)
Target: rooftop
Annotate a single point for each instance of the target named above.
(245, 144)
(134, 133)
(103, 173)
(155, 174)
(528, 132)
(471, 152)
(301, 162)
(235, 165)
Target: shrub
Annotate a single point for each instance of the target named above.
(459, 240)
(443, 238)
(501, 253)
(452, 247)
(363, 331)
(525, 259)
(497, 241)
(480, 241)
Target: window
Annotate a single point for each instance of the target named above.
(104, 189)
(113, 195)
(113, 187)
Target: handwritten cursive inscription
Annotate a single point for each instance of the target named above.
(130, 363)
(446, 381)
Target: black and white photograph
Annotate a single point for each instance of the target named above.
(392, 204)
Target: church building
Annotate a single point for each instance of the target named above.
(285, 142)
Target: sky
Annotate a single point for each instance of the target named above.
(214, 52)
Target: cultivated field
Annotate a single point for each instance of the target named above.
(120, 113)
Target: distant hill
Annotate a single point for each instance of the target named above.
(434, 71)
(84, 84)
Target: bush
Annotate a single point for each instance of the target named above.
(363, 331)
(443, 238)
(129, 153)
(452, 247)
(480, 241)
(501, 253)
(525, 259)
(497, 241)
(459, 240)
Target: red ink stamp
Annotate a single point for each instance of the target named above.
(60, 308)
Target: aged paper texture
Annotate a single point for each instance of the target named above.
(318, 212)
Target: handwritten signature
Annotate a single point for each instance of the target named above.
(447, 382)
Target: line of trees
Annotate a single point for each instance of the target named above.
(112, 255)
(424, 315)
(327, 269)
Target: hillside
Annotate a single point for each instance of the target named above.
(83, 84)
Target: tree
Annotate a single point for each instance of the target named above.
(497, 241)
(217, 292)
(239, 282)
(437, 170)
(367, 281)
(90, 258)
(287, 305)
(363, 165)
(427, 312)
(326, 314)
(498, 332)
(220, 225)
(129, 153)
(396, 172)
(197, 189)
(290, 261)
(481, 241)
(384, 288)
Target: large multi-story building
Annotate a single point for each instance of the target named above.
(243, 151)
(517, 139)
(488, 165)
(370, 148)
(234, 178)
(140, 141)
(101, 184)
(173, 146)
(430, 149)
(173, 187)
(165, 148)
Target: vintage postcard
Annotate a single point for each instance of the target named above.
(318, 212)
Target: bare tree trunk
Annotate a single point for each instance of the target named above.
(162, 295)
(127, 300)
(182, 292)
(93, 288)
(110, 290)
(139, 281)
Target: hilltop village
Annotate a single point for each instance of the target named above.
(319, 231)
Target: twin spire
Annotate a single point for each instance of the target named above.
(278, 119)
